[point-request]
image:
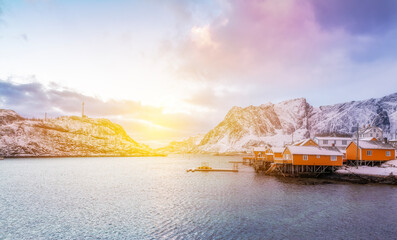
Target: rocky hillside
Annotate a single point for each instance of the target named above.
(65, 136)
(278, 124)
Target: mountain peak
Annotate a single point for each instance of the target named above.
(274, 124)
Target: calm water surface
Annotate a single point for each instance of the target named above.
(155, 198)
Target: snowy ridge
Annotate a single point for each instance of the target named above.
(65, 136)
(279, 124)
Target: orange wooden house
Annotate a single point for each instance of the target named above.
(277, 152)
(371, 150)
(312, 156)
(260, 152)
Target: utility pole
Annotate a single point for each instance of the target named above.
(358, 139)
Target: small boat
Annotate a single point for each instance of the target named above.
(1, 158)
(206, 168)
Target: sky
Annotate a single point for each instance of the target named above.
(169, 69)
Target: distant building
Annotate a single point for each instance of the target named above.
(370, 132)
(393, 142)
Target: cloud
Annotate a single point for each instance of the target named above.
(143, 123)
(357, 16)
(25, 37)
(253, 40)
(288, 48)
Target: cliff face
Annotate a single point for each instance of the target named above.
(277, 124)
(244, 128)
(65, 136)
(341, 118)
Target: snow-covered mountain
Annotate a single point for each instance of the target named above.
(188, 145)
(278, 124)
(65, 136)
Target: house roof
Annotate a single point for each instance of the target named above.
(367, 139)
(334, 138)
(298, 143)
(302, 142)
(278, 149)
(374, 145)
(314, 150)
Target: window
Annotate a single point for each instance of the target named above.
(318, 156)
(377, 135)
(325, 141)
(388, 153)
(369, 153)
(344, 142)
(333, 158)
(305, 157)
(370, 134)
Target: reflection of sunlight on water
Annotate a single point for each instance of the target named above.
(140, 198)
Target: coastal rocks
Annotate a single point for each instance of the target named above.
(363, 179)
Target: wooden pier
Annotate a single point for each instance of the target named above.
(364, 163)
(284, 167)
(213, 170)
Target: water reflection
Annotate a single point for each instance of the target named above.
(155, 198)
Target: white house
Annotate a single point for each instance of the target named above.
(371, 132)
(332, 141)
(339, 142)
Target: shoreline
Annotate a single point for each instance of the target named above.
(332, 178)
(363, 178)
(84, 156)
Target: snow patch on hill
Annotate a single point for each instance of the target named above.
(65, 136)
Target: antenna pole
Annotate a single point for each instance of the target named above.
(82, 108)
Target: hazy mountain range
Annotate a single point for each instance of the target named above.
(241, 129)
